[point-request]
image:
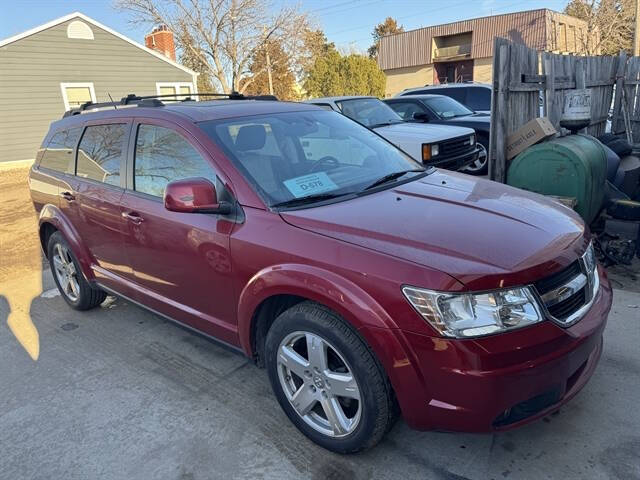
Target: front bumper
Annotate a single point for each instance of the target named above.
(458, 162)
(500, 381)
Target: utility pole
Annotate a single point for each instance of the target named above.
(636, 33)
(268, 59)
(269, 70)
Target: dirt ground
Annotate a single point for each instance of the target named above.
(19, 226)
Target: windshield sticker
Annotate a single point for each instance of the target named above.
(310, 184)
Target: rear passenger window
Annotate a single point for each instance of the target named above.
(479, 98)
(163, 155)
(58, 155)
(100, 153)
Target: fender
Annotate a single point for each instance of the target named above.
(347, 299)
(323, 286)
(54, 216)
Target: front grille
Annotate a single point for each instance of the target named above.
(455, 147)
(565, 308)
(559, 278)
(565, 292)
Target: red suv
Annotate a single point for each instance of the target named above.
(365, 283)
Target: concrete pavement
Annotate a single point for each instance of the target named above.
(118, 392)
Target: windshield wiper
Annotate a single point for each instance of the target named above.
(384, 124)
(391, 176)
(294, 202)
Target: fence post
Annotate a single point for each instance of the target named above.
(581, 82)
(499, 113)
(617, 103)
(550, 86)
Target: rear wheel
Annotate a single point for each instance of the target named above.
(68, 277)
(326, 379)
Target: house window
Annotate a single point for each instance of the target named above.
(75, 94)
(180, 89)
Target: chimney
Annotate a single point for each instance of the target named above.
(161, 40)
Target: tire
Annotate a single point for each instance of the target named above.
(480, 170)
(607, 138)
(620, 146)
(351, 368)
(68, 276)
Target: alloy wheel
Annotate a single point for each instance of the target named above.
(319, 384)
(66, 272)
(480, 162)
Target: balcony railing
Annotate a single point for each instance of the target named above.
(453, 51)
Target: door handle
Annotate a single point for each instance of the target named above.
(133, 217)
(68, 196)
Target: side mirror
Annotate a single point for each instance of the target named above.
(194, 195)
(421, 117)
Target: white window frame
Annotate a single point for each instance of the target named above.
(64, 86)
(176, 86)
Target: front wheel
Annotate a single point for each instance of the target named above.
(327, 380)
(481, 165)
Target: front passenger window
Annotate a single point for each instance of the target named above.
(163, 155)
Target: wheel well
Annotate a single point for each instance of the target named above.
(262, 319)
(46, 230)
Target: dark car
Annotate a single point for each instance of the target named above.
(443, 110)
(365, 283)
(475, 96)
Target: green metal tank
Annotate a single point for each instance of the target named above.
(572, 166)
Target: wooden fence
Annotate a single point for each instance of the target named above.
(528, 84)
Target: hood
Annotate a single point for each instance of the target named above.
(473, 121)
(484, 234)
(421, 132)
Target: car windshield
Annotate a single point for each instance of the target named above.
(446, 107)
(313, 155)
(370, 112)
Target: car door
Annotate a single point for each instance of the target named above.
(181, 263)
(90, 198)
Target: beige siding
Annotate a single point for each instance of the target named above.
(32, 69)
(400, 78)
(482, 70)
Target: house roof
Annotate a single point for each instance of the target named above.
(82, 16)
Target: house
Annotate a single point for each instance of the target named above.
(72, 60)
(463, 51)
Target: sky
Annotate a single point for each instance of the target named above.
(348, 23)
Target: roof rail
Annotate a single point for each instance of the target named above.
(154, 100)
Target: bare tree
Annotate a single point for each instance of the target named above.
(609, 28)
(224, 35)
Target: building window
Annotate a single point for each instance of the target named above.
(181, 90)
(75, 94)
(79, 30)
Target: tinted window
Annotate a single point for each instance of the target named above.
(100, 152)
(59, 153)
(315, 152)
(370, 112)
(163, 155)
(479, 98)
(406, 110)
(456, 93)
(447, 107)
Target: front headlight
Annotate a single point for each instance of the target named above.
(463, 315)
(435, 150)
(472, 140)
